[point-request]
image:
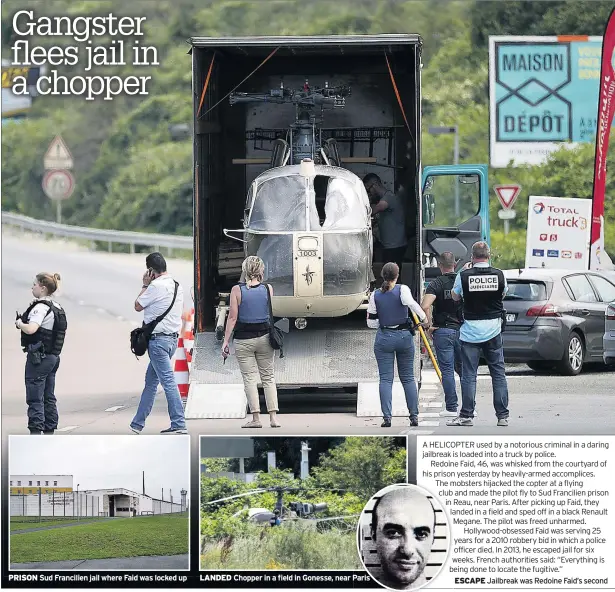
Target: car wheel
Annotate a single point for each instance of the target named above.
(574, 355)
(540, 365)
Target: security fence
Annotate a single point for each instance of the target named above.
(56, 505)
(78, 506)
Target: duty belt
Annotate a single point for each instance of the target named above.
(154, 335)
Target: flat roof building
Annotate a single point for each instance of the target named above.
(35, 484)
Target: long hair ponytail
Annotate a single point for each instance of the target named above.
(390, 273)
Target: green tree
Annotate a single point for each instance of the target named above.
(359, 465)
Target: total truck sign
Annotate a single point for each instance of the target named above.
(543, 93)
(558, 233)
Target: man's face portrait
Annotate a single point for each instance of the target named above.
(403, 524)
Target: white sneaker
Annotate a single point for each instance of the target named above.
(460, 421)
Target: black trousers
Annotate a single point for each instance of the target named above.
(40, 396)
(394, 255)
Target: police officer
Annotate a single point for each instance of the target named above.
(387, 311)
(482, 289)
(446, 322)
(43, 328)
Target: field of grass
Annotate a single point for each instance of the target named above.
(53, 522)
(282, 548)
(122, 537)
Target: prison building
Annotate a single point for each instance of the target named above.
(32, 484)
(123, 503)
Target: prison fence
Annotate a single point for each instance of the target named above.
(68, 505)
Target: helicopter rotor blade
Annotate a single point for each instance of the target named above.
(239, 495)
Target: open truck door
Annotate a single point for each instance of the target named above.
(455, 202)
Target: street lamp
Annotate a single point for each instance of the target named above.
(450, 129)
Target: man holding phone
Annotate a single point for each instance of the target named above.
(155, 298)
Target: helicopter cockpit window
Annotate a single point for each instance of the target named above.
(343, 207)
(279, 205)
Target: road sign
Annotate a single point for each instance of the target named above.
(58, 184)
(507, 194)
(58, 155)
(507, 214)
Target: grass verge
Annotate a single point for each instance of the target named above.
(122, 537)
(57, 522)
(281, 548)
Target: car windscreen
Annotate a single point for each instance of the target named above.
(526, 290)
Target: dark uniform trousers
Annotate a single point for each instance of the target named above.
(40, 386)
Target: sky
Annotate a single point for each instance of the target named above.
(106, 462)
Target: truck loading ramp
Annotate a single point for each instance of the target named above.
(318, 357)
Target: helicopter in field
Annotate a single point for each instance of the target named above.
(296, 513)
(307, 217)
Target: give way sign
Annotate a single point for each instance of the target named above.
(507, 194)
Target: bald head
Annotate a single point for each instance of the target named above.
(403, 525)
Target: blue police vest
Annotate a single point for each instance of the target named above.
(254, 306)
(389, 306)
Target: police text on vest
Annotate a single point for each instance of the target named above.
(483, 283)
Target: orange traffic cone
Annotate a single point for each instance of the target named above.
(181, 370)
(188, 335)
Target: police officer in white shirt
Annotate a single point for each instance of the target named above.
(155, 298)
(43, 329)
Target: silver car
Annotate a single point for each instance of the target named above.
(608, 341)
(556, 318)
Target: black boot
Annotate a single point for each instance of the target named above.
(48, 432)
(386, 423)
(414, 422)
(35, 432)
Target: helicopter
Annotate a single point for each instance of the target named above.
(294, 513)
(307, 217)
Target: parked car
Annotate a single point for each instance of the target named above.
(556, 318)
(608, 341)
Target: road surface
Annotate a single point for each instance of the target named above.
(100, 381)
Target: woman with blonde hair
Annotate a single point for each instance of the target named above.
(387, 311)
(43, 328)
(249, 317)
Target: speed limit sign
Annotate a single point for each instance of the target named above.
(58, 184)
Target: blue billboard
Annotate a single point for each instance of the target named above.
(543, 91)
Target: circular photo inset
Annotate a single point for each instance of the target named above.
(403, 537)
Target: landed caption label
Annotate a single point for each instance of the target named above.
(524, 511)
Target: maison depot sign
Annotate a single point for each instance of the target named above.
(543, 92)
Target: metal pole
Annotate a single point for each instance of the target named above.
(456, 162)
(59, 211)
(506, 228)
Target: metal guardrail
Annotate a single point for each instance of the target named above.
(168, 241)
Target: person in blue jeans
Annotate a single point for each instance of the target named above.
(387, 311)
(155, 298)
(445, 321)
(482, 289)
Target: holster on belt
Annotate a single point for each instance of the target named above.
(37, 353)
